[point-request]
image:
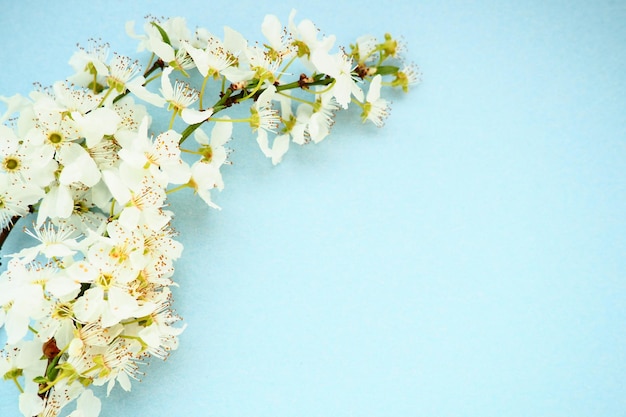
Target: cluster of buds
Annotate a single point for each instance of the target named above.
(90, 302)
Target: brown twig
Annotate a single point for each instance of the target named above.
(4, 233)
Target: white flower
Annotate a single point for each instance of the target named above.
(117, 364)
(275, 33)
(89, 62)
(22, 298)
(121, 70)
(322, 117)
(215, 60)
(339, 66)
(58, 322)
(92, 334)
(96, 124)
(136, 86)
(366, 46)
(25, 162)
(85, 215)
(87, 405)
(30, 403)
(294, 125)
(72, 100)
(160, 157)
(180, 97)
(263, 116)
(14, 104)
(209, 61)
(162, 250)
(108, 302)
(375, 109)
(408, 75)
(55, 241)
(305, 40)
(131, 113)
(54, 128)
(57, 203)
(167, 48)
(205, 173)
(15, 199)
(279, 147)
(23, 356)
(78, 166)
(59, 396)
(212, 150)
(145, 205)
(236, 44)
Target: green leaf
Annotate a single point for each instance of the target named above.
(387, 70)
(40, 380)
(163, 33)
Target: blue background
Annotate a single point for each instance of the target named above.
(465, 260)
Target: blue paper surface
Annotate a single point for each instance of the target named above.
(467, 259)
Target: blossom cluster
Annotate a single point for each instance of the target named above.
(91, 301)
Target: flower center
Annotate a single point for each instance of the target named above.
(55, 138)
(11, 163)
(207, 153)
(105, 281)
(62, 311)
(80, 207)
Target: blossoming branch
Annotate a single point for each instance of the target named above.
(90, 301)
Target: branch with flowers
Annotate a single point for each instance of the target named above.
(90, 301)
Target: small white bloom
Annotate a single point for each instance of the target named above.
(366, 45)
(121, 70)
(55, 241)
(21, 297)
(180, 96)
(96, 124)
(275, 33)
(14, 104)
(279, 147)
(30, 403)
(15, 199)
(322, 118)
(339, 66)
(375, 109)
(205, 173)
(73, 100)
(160, 157)
(88, 62)
(87, 405)
(57, 203)
(305, 39)
(23, 161)
(263, 115)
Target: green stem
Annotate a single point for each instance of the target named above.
(112, 211)
(49, 386)
(18, 385)
(287, 65)
(149, 80)
(202, 91)
(301, 100)
(106, 95)
(174, 113)
(178, 188)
